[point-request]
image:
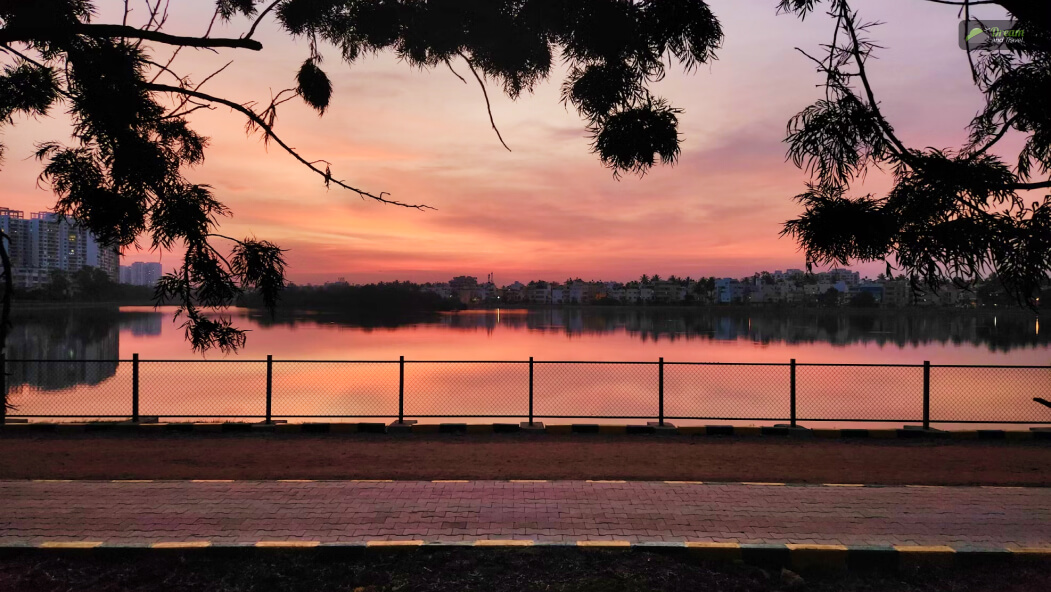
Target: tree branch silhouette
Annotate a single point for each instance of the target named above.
(31, 34)
(850, 25)
(123, 176)
(268, 131)
(488, 107)
(950, 216)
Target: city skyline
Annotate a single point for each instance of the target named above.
(548, 208)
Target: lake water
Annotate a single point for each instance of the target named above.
(307, 380)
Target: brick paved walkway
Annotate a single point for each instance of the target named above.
(246, 512)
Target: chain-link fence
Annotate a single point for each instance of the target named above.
(722, 391)
(860, 392)
(526, 389)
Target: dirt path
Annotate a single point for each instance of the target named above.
(521, 456)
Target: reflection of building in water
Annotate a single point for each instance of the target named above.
(141, 324)
(792, 326)
(67, 339)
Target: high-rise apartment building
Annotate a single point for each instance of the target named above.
(140, 274)
(46, 242)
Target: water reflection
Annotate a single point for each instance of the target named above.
(59, 334)
(235, 386)
(62, 334)
(1000, 332)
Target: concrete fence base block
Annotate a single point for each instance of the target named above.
(372, 428)
(794, 430)
(667, 429)
(400, 427)
(536, 426)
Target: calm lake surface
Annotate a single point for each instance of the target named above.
(234, 387)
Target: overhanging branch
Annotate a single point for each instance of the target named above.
(24, 34)
(848, 22)
(269, 131)
(1028, 186)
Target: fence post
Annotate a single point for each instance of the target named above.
(530, 391)
(135, 388)
(792, 398)
(401, 389)
(660, 373)
(926, 395)
(269, 387)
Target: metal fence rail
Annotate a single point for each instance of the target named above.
(525, 389)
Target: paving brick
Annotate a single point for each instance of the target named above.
(762, 518)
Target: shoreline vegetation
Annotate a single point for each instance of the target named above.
(337, 309)
(399, 298)
(388, 301)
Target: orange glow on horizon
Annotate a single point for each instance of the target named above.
(548, 209)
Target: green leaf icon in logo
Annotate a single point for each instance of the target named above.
(974, 33)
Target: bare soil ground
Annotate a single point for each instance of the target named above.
(469, 569)
(524, 456)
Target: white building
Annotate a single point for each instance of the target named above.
(47, 242)
(577, 292)
(540, 293)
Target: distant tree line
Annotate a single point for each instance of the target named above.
(89, 284)
(381, 298)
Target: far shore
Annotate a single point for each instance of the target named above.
(1012, 311)
(753, 308)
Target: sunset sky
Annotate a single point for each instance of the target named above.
(548, 209)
